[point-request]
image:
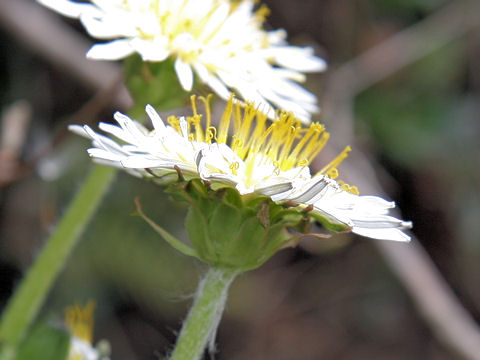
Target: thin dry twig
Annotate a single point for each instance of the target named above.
(436, 302)
(434, 299)
(380, 61)
(14, 127)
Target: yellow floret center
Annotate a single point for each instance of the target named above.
(283, 143)
(173, 21)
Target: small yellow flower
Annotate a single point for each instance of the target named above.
(80, 321)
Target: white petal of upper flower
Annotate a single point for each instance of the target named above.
(296, 58)
(301, 109)
(223, 41)
(104, 28)
(215, 21)
(288, 88)
(184, 73)
(151, 50)
(212, 81)
(69, 8)
(113, 50)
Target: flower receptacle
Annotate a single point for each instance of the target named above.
(229, 230)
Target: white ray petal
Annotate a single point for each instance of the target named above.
(249, 165)
(113, 50)
(295, 58)
(184, 73)
(392, 234)
(157, 121)
(70, 8)
(79, 130)
(151, 50)
(104, 154)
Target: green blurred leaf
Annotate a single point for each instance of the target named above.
(154, 83)
(410, 115)
(405, 8)
(45, 343)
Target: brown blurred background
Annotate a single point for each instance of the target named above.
(402, 87)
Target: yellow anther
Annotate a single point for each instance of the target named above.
(234, 167)
(236, 143)
(303, 163)
(349, 188)
(196, 120)
(354, 190)
(333, 173)
(175, 123)
(211, 133)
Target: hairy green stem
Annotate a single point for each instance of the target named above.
(201, 324)
(30, 295)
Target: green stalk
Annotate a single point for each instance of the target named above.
(30, 295)
(201, 324)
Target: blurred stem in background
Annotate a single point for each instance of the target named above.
(200, 326)
(30, 295)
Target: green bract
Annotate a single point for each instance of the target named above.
(233, 231)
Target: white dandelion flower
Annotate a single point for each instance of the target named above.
(271, 160)
(222, 41)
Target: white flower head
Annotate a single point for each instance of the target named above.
(222, 41)
(79, 321)
(271, 160)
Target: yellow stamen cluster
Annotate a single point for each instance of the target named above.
(283, 143)
(79, 320)
(171, 24)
